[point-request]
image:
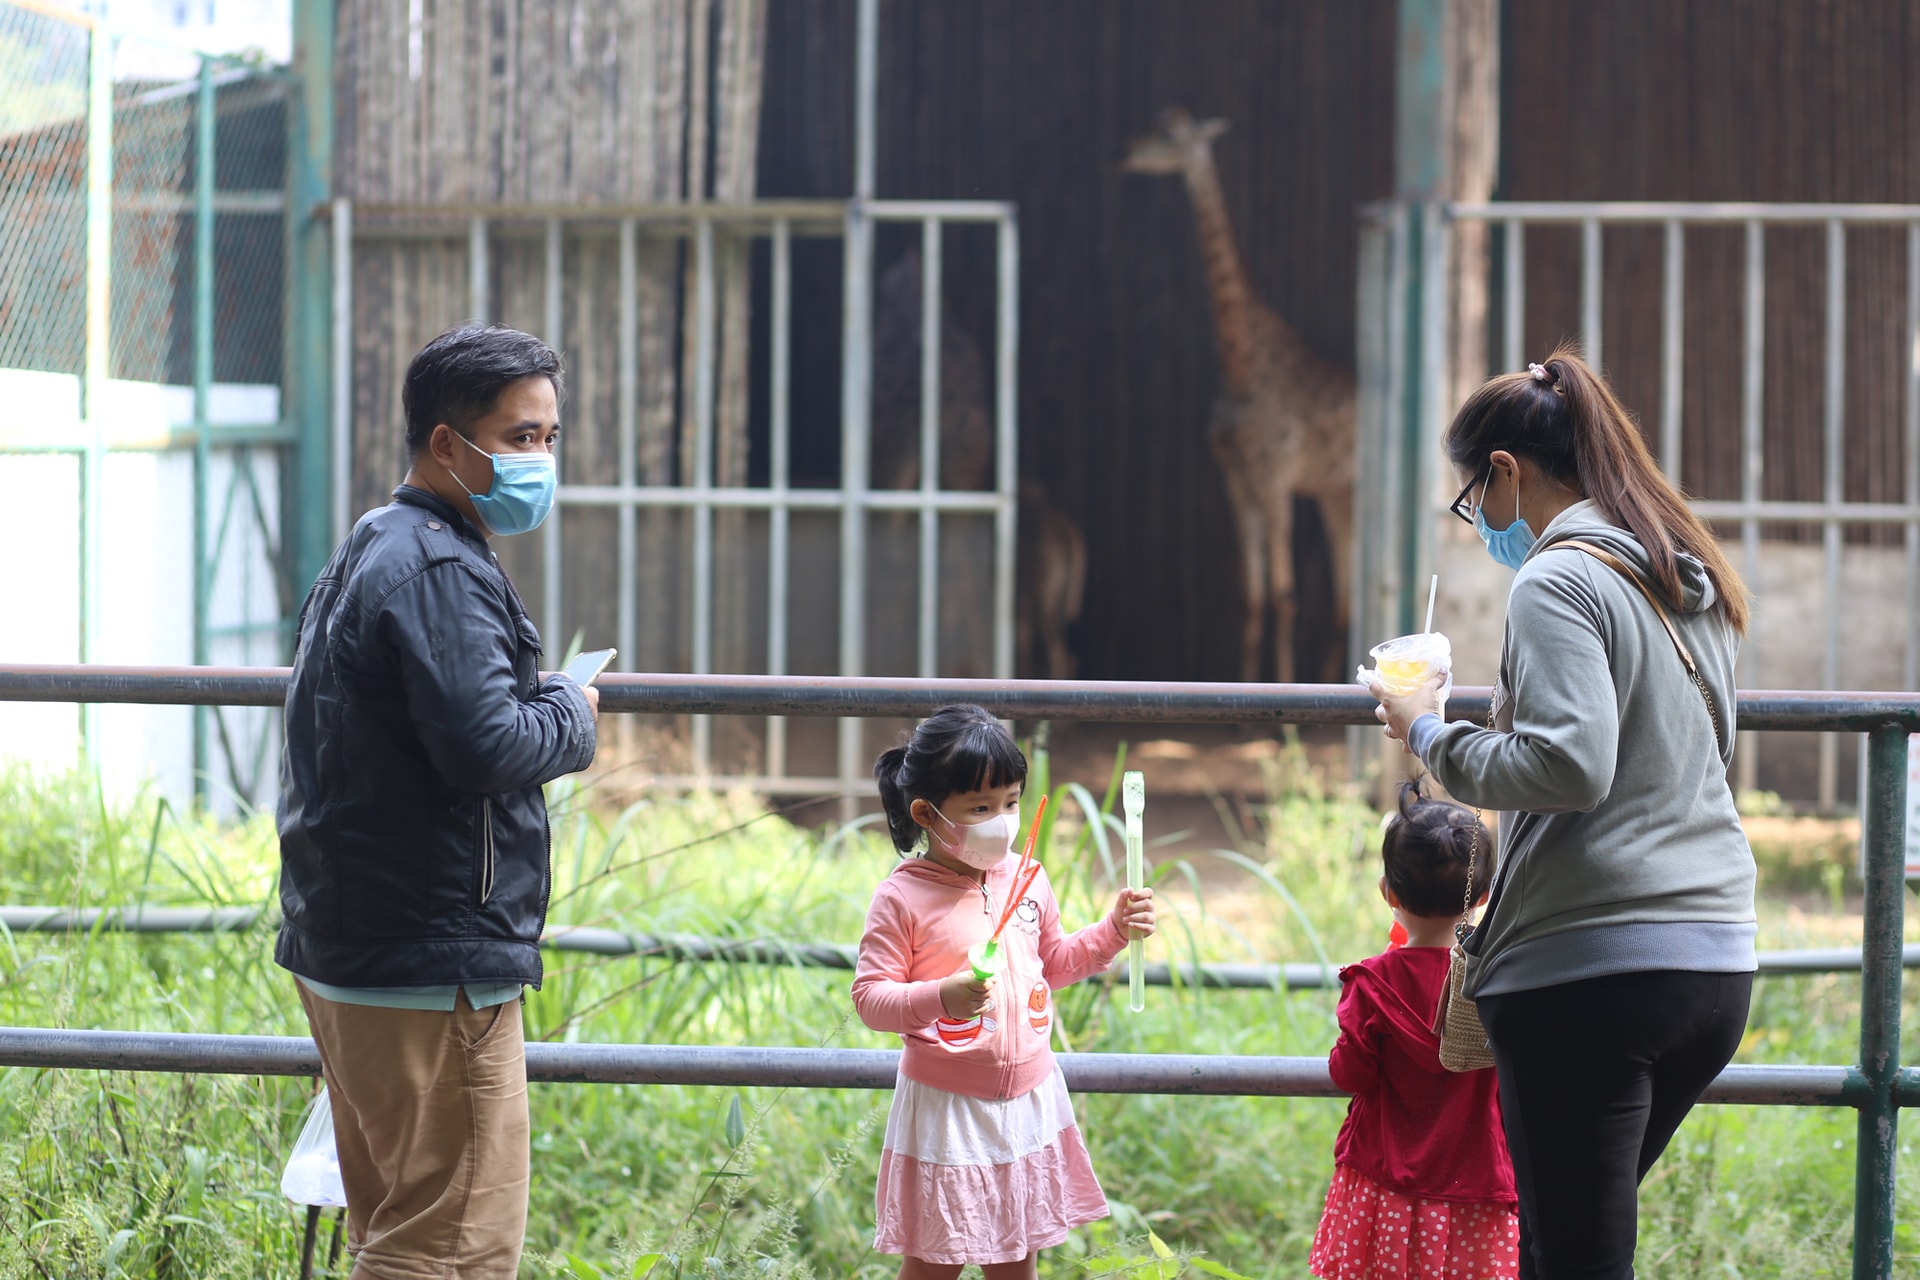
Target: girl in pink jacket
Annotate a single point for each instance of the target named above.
(982, 1162)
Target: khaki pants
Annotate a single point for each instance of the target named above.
(430, 1119)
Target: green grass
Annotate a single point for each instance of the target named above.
(120, 1174)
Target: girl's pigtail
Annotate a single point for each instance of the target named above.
(904, 831)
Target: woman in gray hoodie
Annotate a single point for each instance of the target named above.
(1615, 960)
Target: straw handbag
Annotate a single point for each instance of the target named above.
(1463, 1040)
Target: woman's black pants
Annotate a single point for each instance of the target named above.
(1595, 1076)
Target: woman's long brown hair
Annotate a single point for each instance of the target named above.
(1572, 426)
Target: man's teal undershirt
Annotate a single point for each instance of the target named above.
(438, 999)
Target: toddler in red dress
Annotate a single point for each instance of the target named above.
(1422, 1184)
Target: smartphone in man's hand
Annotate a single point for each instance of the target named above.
(586, 668)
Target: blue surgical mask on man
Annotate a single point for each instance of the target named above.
(522, 492)
(1508, 546)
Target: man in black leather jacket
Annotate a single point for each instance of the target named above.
(413, 831)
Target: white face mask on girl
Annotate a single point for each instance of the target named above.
(982, 846)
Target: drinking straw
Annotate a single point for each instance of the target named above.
(1433, 589)
(1133, 793)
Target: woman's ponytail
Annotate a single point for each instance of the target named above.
(1565, 417)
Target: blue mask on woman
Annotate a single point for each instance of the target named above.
(1508, 546)
(522, 492)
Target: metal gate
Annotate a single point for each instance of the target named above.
(687, 595)
(140, 321)
(1407, 390)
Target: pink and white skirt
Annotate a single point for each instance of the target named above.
(980, 1180)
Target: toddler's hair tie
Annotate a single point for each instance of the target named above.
(1540, 373)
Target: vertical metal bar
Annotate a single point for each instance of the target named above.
(1911, 671)
(477, 283)
(1753, 460)
(1006, 449)
(856, 375)
(1833, 474)
(866, 95)
(1513, 322)
(307, 506)
(1672, 348)
(777, 555)
(1402, 342)
(94, 381)
(203, 185)
(551, 567)
(627, 429)
(703, 391)
(930, 246)
(340, 443)
(1883, 830)
(1591, 316)
(1436, 344)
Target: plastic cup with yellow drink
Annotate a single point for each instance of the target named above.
(1404, 664)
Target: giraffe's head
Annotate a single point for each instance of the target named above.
(1169, 148)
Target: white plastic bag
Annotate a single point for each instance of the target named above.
(312, 1175)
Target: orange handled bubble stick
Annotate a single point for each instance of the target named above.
(985, 957)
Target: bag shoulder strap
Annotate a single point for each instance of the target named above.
(1621, 567)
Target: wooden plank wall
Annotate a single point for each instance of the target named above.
(997, 99)
(1658, 100)
(526, 102)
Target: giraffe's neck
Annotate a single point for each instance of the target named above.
(1227, 284)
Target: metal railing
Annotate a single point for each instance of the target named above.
(626, 494)
(1876, 1087)
(690, 948)
(1408, 255)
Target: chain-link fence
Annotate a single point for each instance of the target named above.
(142, 277)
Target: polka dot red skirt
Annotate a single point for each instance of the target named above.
(1370, 1233)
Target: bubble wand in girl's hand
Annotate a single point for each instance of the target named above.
(985, 956)
(1133, 798)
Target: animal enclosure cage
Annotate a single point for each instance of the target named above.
(681, 534)
(141, 267)
(1769, 351)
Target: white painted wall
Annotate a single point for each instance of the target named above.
(147, 575)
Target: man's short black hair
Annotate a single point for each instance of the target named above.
(458, 377)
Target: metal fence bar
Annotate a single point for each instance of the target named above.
(1673, 347)
(341, 445)
(779, 431)
(1116, 701)
(1685, 210)
(203, 184)
(856, 375)
(1833, 488)
(554, 322)
(1514, 302)
(1006, 443)
(1911, 667)
(1190, 1075)
(1591, 312)
(595, 940)
(479, 287)
(97, 358)
(1753, 460)
(627, 430)
(930, 298)
(703, 451)
(908, 500)
(1883, 829)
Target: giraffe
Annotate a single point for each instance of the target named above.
(1283, 421)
